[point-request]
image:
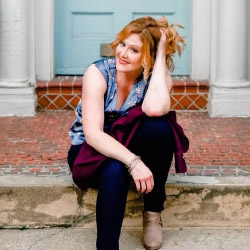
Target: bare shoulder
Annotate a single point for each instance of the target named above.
(93, 72)
(94, 78)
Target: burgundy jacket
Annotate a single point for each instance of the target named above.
(89, 160)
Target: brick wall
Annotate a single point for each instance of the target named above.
(64, 92)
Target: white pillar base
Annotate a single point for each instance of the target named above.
(231, 84)
(14, 84)
(17, 101)
(229, 102)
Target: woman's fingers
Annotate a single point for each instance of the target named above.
(152, 181)
(149, 186)
(163, 34)
(143, 178)
(138, 185)
(143, 186)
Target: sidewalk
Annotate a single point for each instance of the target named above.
(38, 145)
(84, 239)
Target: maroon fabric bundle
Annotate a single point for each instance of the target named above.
(89, 160)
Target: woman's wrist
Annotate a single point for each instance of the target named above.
(160, 56)
(133, 162)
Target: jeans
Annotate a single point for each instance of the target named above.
(154, 143)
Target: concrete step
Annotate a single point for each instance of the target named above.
(37, 202)
(84, 239)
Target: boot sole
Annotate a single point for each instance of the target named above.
(152, 248)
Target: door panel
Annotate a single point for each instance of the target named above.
(81, 26)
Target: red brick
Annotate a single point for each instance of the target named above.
(54, 84)
(172, 101)
(68, 97)
(68, 107)
(60, 102)
(77, 83)
(66, 84)
(211, 171)
(66, 90)
(77, 90)
(52, 107)
(191, 89)
(54, 169)
(43, 101)
(54, 90)
(178, 83)
(185, 102)
(201, 102)
(177, 97)
(41, 91)
(204, 84)
(192, 170)
(75, 101)
(193, 107)
(177, 107)
(51, 97)
(192, 83)
(193, 97)
(41, 84)
(203, 89)
(229, 171)
(35, 170)
(178, 89)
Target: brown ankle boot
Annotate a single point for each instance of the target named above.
(152, 230)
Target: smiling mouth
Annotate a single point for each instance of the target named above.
(121, 61)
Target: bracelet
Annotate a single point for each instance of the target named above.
(132, 167)
(133, 163)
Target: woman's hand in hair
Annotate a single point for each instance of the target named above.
(143, 178)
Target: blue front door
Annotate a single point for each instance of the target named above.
(81, 26)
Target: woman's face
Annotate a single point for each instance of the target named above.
(129, 54)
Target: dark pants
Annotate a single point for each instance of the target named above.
(154, 142)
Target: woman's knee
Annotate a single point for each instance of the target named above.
(115, 171)
(155, 129)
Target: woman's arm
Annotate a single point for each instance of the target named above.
(93, 91)
(157, 100)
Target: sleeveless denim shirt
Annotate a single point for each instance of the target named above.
(108, 69)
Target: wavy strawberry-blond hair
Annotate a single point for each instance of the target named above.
(149, 30)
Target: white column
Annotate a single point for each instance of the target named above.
(16, 62)
(230, 91)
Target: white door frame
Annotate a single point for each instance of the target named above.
(44, 39)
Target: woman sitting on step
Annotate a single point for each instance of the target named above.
(136, 76)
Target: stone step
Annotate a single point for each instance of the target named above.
(84, 239)
(37, 202)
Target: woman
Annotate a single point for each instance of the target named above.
(136, 76)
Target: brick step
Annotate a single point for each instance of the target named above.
(30, 201)
(64, 92)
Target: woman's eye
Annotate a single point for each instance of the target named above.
(134, 50)
(122, 44)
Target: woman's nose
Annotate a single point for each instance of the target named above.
(124, 52)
